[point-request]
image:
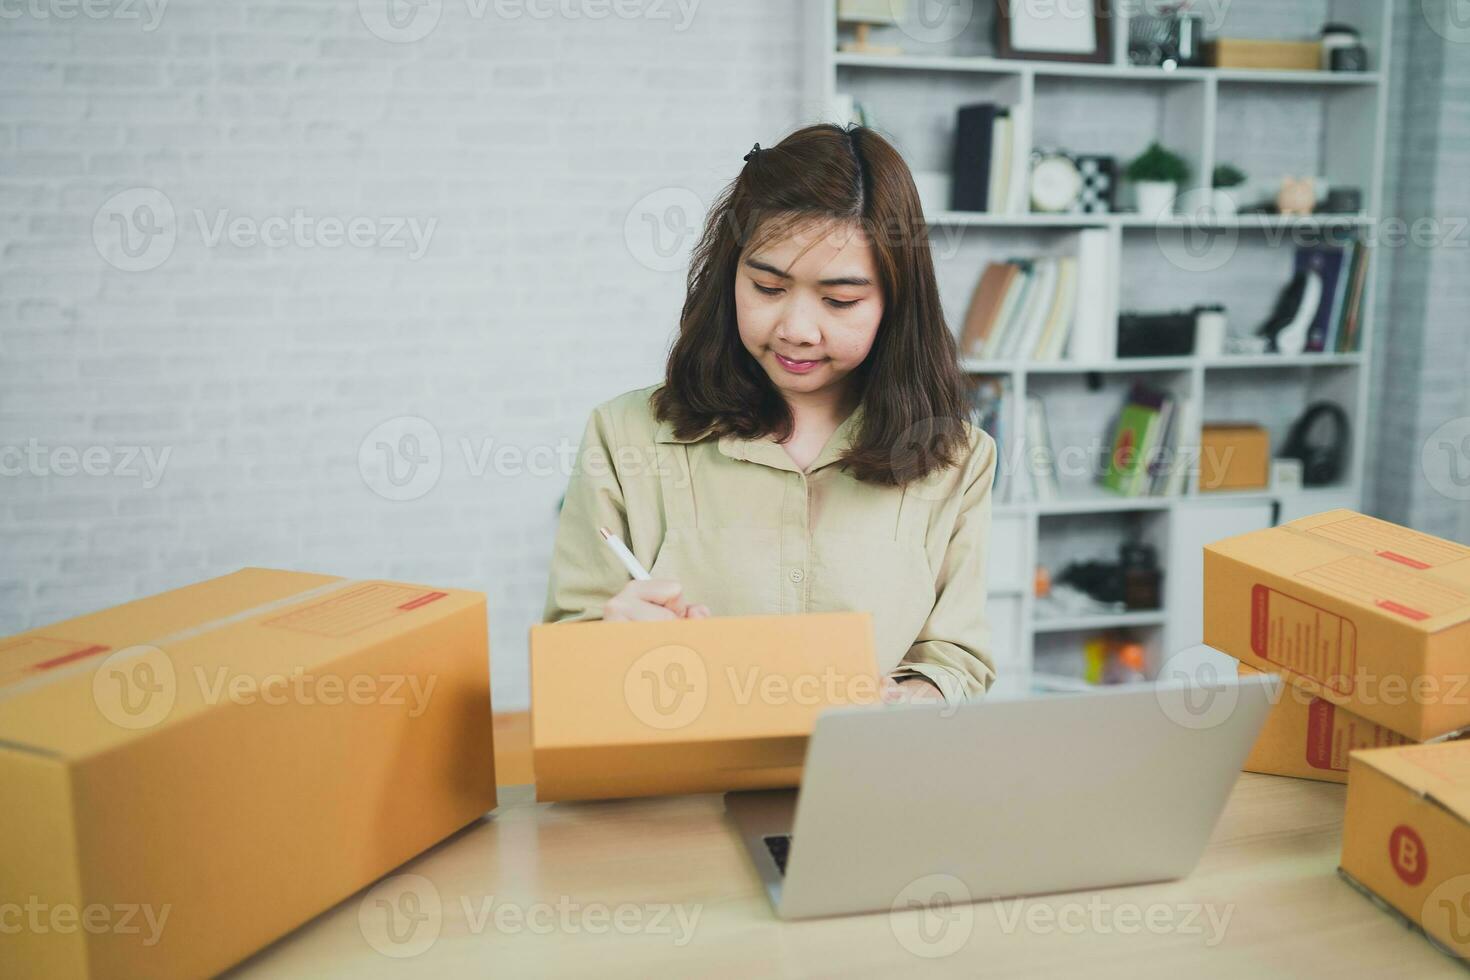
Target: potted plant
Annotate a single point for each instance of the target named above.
(1226, 177)
(1156, 175)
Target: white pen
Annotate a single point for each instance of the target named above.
(624, 555)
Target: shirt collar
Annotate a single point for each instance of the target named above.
(766, 451)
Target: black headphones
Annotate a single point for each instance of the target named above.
(1323, 455)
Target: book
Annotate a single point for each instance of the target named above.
(970, 168)
(987, 399)
(1000, 163)
(1094, 332)
(1022, 337)
(1063, 310)
(1040, 457)
(985, 306)
(1018, 193)
(1015, 300)
(1326, 262)
(1349, 341)
(1185, 447)
(1135, 430)
(1340, 297)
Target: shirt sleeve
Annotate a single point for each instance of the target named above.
(952, 651)
(584, 574)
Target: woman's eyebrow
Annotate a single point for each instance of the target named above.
(840, 281)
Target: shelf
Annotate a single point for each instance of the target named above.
(1133, 221)
(1143, 365)
(1054, 69)
(1099, 621)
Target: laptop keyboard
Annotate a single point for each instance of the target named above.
(780, 847)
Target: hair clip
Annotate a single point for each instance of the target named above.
(753, 151)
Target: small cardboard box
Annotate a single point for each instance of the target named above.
(1406, 836)
(1241, 52)
(1360, 612)
(1307, 737)
(689, 705)
(1234, 456)
(192, 775)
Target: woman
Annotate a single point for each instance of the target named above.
(808, 449)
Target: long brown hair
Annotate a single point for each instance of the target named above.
(910, 385)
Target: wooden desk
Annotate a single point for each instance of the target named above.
(1270, 866)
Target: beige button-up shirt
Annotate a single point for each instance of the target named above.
(746, 532)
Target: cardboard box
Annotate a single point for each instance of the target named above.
(1234, 456)
(689, 705)
(1240, 52)
(1360, 612)
(192, 775)
(1406, 836)
(1307, 737)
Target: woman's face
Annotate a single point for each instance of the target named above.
(809, 305)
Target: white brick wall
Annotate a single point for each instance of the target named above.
(524, 140)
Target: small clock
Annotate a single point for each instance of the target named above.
(1055, 183)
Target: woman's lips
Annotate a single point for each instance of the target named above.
(797, 367)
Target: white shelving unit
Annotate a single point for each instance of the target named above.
(1268, 122)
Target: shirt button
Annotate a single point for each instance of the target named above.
(796, 575)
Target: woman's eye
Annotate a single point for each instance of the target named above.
(840, 304)
(768, 290)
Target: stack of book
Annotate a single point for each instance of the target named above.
(1151, 444)
(1334, 325)
(988, 398)
(1032, 309)
(990, 168)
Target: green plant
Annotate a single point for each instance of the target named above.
(1228, 175)
(1160, 165)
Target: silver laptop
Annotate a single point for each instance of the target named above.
(1021, 797)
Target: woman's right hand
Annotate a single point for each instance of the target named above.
(651, 599)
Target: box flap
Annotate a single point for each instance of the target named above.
(1439, 772)
(1423, 582)
(88, 684)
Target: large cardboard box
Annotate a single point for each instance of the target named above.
(1360, 612)
(189, 776)
(1307, 737)
(1406, 836)
(689, 705)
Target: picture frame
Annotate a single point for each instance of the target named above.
(1055, 30)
